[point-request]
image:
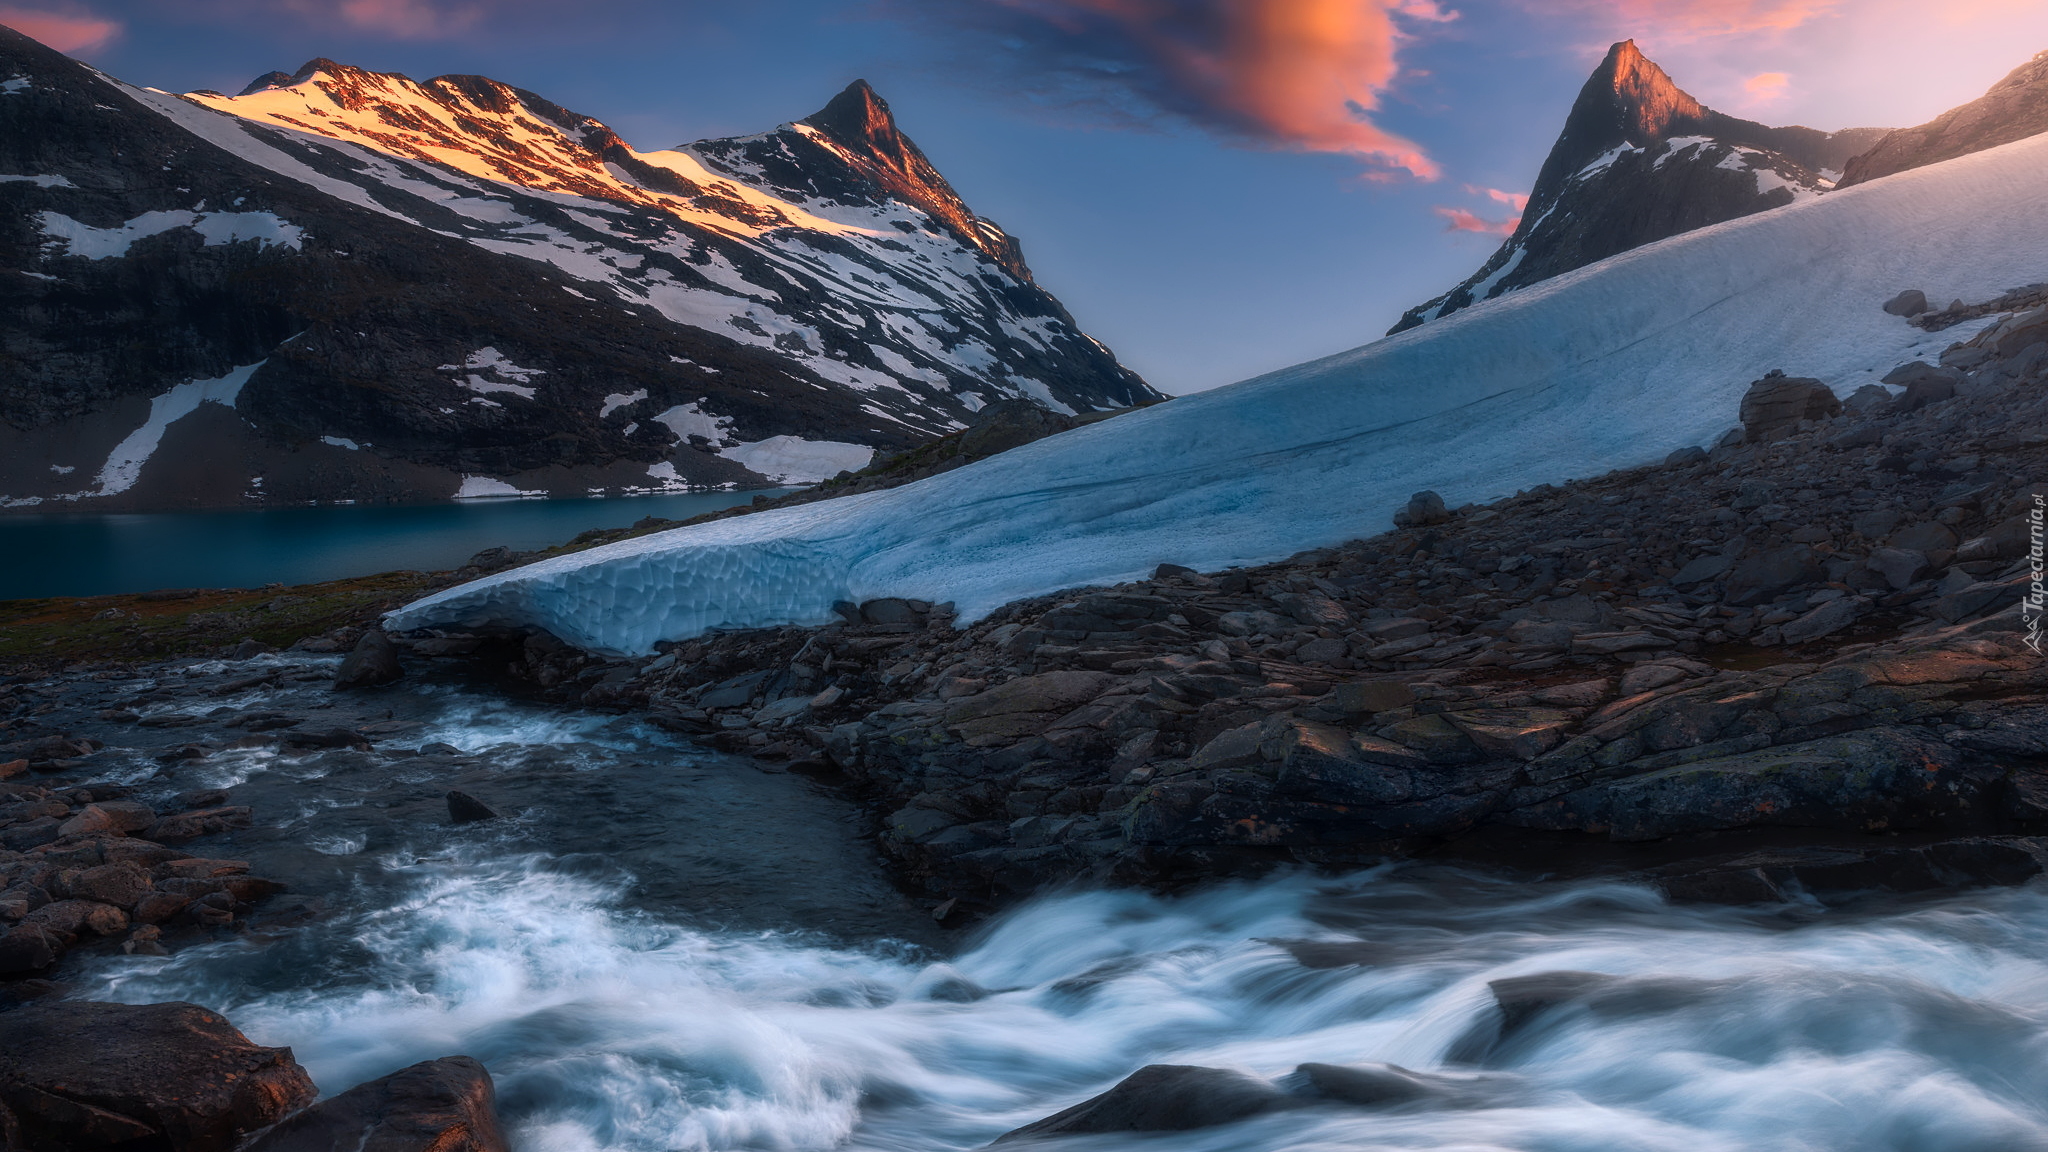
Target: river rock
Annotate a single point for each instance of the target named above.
(445, 1105)
(466, 809)
(86, 1075)
(374, 662)
(1161, 1098)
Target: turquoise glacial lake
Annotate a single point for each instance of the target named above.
(93, 555)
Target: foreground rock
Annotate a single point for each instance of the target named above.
(445, 1105)
(176, 1076)
(78, 864)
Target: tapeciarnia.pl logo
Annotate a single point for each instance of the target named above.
(2037, 592)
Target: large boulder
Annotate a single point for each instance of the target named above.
(445, 1105)
(83, 1075)
(1776, 404)
(1162, 1098)
(374, 661)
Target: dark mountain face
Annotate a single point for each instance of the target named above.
(2014, 109)
(349, 285)
(1639, 160)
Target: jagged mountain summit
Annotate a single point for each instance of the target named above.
(2014, 109)
(342, 284)
(1639, 160)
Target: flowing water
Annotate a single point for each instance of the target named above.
(664, 949)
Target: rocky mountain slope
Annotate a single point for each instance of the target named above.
(1639, 160)
(350, 285)
(2014, 109)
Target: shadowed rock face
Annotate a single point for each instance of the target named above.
(345, 284)
(445, 1105)
(80, 1075)
(2014, 109)
(1639, 160)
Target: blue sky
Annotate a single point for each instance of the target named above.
(1216, 188)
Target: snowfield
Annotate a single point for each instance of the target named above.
(1611, 366)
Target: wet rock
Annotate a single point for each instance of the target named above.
(1390, 1086)
(81, 1075)
(121, 885)
(1161, 1098)
(28, 948)
(445, 1105)
(466, 809)
(1774, 405)
(183, 826)
(374, 661)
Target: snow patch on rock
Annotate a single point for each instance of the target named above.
(124, 463)
(487, 487)
(78, 239)
(794, 460)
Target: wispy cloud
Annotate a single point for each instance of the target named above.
(1681, 20)
(1515, 200)
(67, 29)
(1301, 75)
(1765, 87)
(1461, 220)
(393, 19)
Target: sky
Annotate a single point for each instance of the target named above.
(1214, 188)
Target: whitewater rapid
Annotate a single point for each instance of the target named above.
(1916, 1029)
(667, 950)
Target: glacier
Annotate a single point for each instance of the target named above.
(1613, 365)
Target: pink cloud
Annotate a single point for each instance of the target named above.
(1301, 75)
(1464, 221)
(1766, 86)
(397, 19)
(71, 30)
(1515, 200)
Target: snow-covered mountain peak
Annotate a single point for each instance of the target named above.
(818, 288)
(1640, 159)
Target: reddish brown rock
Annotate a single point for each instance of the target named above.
(85, 1075)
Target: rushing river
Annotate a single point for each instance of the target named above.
(59, 554)
(665, 949)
